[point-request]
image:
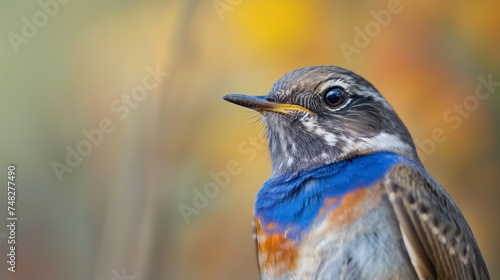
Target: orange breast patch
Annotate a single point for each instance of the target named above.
(352, 207)
(277, 253)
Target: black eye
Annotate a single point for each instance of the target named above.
(335, 96)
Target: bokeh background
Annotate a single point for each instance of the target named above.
(117, 216)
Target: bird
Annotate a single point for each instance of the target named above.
(348, 197)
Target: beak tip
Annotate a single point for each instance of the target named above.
(228, 97)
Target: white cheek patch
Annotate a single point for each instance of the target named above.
(329, 138)
(311, 125)
(382, 142)
(283, 141)
(390, 141)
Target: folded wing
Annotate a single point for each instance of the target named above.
(436, 235)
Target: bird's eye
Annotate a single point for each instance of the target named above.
(335, 96)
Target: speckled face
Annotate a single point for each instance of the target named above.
(322, 114)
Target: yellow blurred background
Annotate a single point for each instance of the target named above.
(68, 66)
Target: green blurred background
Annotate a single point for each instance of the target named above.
(116, 215)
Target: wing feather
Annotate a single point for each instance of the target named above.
(438, 239)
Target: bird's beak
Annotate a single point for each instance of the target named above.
(263, 103)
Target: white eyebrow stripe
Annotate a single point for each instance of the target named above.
(340, 82)
(334, 83)
(376, 97)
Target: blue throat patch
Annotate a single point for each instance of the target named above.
(292, 202)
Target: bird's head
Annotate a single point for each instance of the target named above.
(323, 114)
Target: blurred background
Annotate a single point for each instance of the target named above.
(143, 81)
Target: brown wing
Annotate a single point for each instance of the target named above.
(436, 235)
